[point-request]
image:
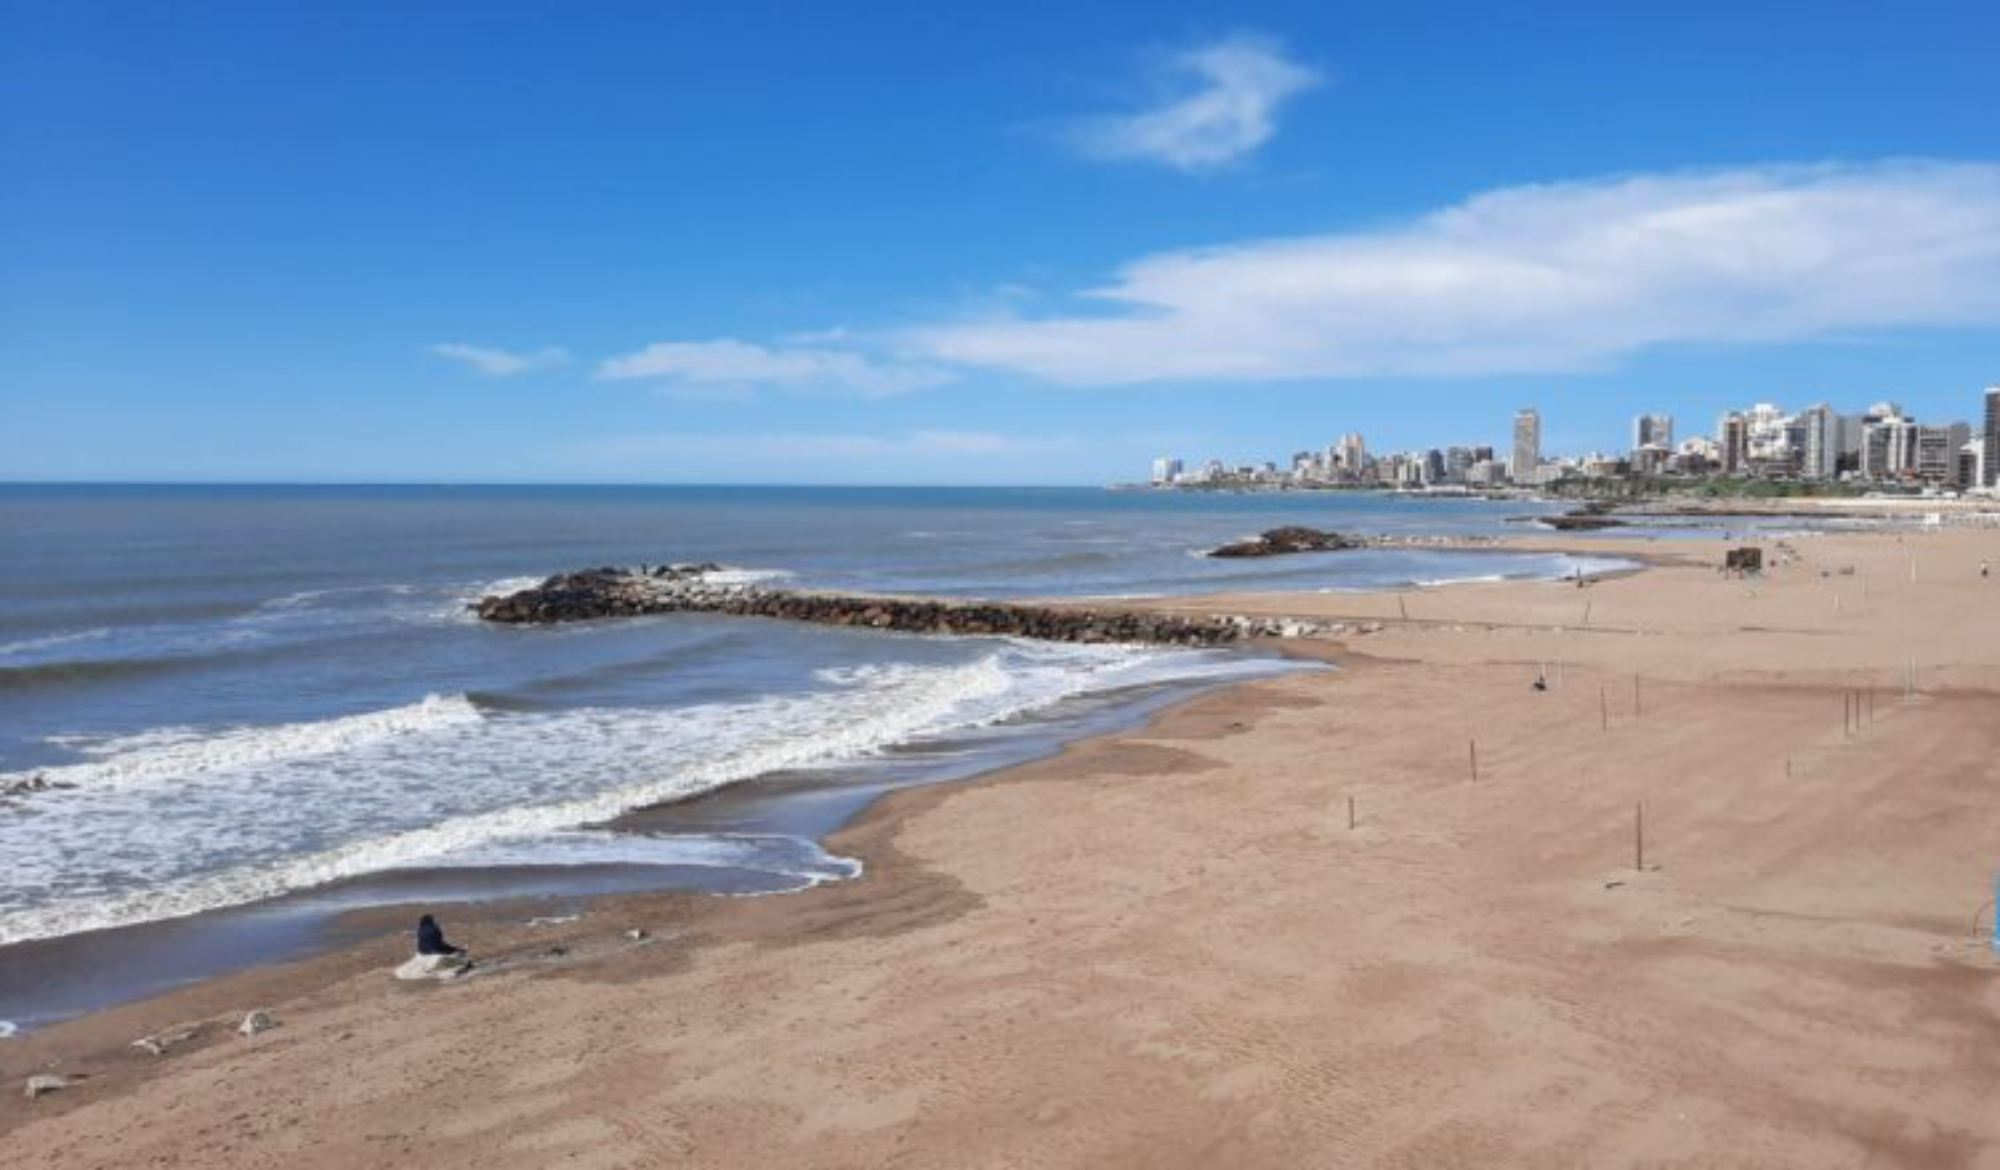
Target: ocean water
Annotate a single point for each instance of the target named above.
(244, 695)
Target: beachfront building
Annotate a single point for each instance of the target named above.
(1732, 443)
(1888, 443)
(1353, 453)
(1166, 470)
(1653, 430)
(1821, 426)
(1972, 467)
(1936, 455)
(1991, 438)
(1527, 446)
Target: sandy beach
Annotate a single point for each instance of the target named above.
(1170, 947)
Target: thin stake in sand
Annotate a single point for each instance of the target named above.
(1472, 757)
(1350, 814)
(1639, 836)
(1603, 710)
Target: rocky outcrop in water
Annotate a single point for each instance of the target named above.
(1579, 522)
(1290, 539)
(612, 592)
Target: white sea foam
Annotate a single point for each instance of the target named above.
(746, 576)
(787, 856)
(181, 820)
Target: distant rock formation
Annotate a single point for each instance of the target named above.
(1290, 539)
(1580, 522)
(613, 592)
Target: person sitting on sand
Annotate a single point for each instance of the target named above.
(430, 939)
(1541, 683)
(435, 958)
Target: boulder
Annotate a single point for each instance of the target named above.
(42, 1084)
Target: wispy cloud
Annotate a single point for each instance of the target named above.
(1537, 279)
(1223, 106)
(730, 362)
(500, 363)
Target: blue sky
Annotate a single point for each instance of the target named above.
(1004, 243)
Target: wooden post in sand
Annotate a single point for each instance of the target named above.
(1350, 814)
(1603, 710)
(1401, 609)
(1846, 713)
(1639, 836)
(1788, 767)
(1472, 756)
(1586, 613)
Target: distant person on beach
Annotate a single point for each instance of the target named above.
(435, 958)
(1541, 683)
(1983, 569)
(430, 939)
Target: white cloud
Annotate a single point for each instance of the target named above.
(729, 362)
(500, 363)
(1239, 83)
(1537, 279)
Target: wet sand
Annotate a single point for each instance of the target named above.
(1168, 947)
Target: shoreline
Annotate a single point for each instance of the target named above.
(301, 924)
(948, 865)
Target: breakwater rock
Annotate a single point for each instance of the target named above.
(1298, 539)
(1290, 539)
(614, 592)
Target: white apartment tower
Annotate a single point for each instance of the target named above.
(1527, 446)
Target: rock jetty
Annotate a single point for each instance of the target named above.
(616, 592)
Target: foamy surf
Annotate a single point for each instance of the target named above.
(178, 821)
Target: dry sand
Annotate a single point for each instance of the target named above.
(1168, 948)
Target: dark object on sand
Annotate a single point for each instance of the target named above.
(1743, 560)
(430, 939)
(1580, 522)
(1290, 539)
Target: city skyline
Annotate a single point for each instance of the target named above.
(501, 243)
(1881, 444)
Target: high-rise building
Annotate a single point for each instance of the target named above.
(1936, 453)
(1353, 452)
(1527, 446)
(1991, 436)
(1972, 463)
(1652, 430)
(1888, 444)
(1166, 470)
(1821, 445)
(1732, 441)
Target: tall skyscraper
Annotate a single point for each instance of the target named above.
(1653, 430)
(1732, 441)
(1822, 426)
(1527, 446)
(1353, 452)
(1992, 436)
